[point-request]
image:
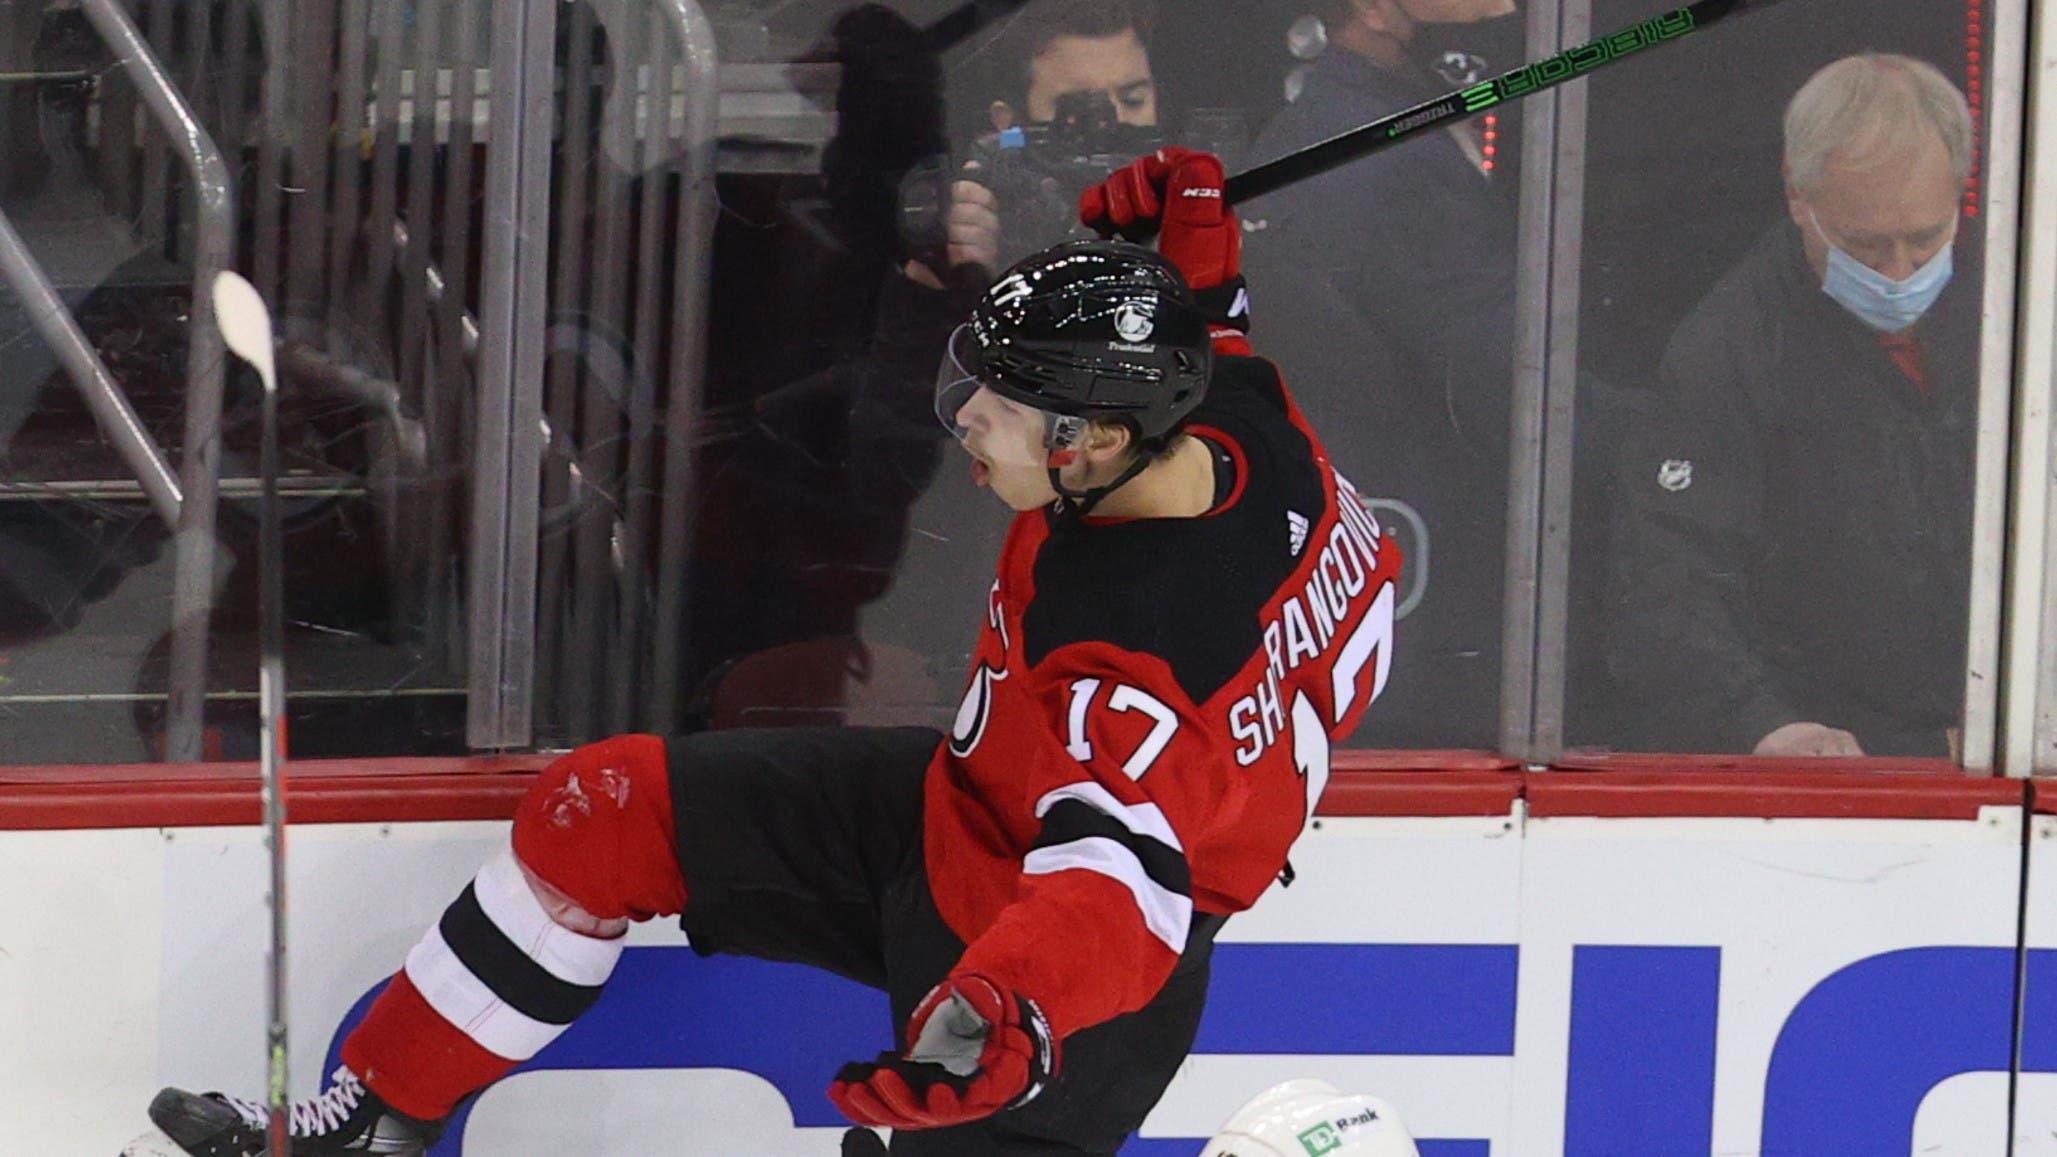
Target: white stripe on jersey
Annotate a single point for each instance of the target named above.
(1166, 914)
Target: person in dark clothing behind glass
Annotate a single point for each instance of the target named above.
(828, 551)
(1010, 86)
(1793, 529)
(1392, 283)
(819, 431)
(1019, 74)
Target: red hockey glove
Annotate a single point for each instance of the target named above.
(972, 1050)
(1179, 191)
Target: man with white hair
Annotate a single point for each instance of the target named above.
(1792, 540)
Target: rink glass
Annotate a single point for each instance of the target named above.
(591, 426)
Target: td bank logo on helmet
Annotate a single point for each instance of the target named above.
(1328, 1136)
(1323, 1138)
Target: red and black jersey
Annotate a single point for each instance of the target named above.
(1150, 714)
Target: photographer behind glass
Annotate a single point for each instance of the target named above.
(1068, 97)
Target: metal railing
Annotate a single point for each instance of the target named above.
(547, 353)
(117, 418)
(213, 245)
(591, 378)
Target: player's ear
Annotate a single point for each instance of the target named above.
(1107, 440)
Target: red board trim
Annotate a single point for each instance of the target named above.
(2043, 796)
(154, 795)
(396, 799)
(1773, 793)
(247, 772)
(1364, 784)
(1758, 765)
(1420, 793)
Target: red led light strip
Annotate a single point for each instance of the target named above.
(1975, 94)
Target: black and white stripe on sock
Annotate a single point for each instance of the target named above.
(505, 974)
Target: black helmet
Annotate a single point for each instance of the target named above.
(1092, 329)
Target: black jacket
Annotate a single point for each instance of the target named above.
(1793, 519)
(1415, 239)
(1385, 290)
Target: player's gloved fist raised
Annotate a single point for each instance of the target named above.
(1181, 193)
(973, 1049)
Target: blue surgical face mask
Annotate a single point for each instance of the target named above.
(1877, 300)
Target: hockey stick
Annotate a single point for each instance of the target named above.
(1446, 110)
(246, 328)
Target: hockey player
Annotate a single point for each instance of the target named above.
(1190, 607)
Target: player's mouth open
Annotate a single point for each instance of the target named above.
(981, 471)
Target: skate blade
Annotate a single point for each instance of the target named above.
(153, 1144)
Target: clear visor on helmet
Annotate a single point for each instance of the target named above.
(993, 427)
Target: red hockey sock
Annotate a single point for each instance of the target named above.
(416, 1061)
(501, 975)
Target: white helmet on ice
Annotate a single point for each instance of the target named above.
(1310, 1118)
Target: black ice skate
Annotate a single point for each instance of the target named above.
(863, 1143)
(346, 1119)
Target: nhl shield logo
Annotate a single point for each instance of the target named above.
(1460, 67)
(1135, 321)
(1675, 474)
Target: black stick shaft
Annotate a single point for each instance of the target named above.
(1466, 102)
